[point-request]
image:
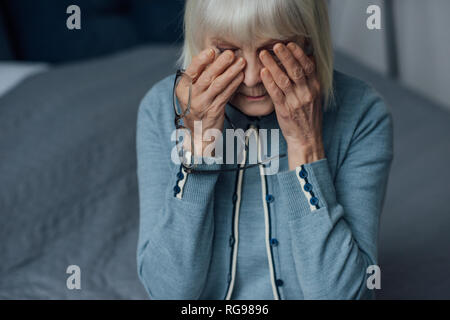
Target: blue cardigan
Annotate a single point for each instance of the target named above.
(308, 233)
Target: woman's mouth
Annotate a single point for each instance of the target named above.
(254, 98)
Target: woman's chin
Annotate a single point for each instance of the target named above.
(253, 108)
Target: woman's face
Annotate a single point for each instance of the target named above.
(251, 96)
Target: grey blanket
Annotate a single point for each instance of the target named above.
(68, 188)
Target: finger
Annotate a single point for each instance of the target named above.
(220, 83)
(314, 84)
(306, 63)
(222, 99)
(280, 78)
(291, 64)
(197, 65)
(275, 93)
(214, 70)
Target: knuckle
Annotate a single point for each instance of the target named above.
(298, 74)
(310, 68)
(285, 83)
(273, 86)
(222, 99)
(308, 98)
(196, 107)
(296, 106)
(207, 78)
(216, 84)
(295, 115)
(279, 96)
(284, 115)
(188, 75)
(214, 111)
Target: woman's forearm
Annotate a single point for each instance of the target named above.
(298, 155)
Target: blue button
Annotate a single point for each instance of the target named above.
(229, 278)
(274, 242)
(308, 187)
(234, 198)
(314, 201)
(270, 198)
(303, 174)
(231, 241)
(279, 282)
(176, 189)
(180, 175)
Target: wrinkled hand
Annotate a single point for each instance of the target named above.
(215, 80)
(295, 93)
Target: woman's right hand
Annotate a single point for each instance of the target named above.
(214, 83)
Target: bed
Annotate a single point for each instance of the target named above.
(68, 192)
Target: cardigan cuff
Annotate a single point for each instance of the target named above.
(196, 187)
(307, 188)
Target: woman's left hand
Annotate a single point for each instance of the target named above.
(297, 99)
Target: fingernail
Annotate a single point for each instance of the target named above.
(291, 46)
(210, 53)
(263, 54)
(278, 48)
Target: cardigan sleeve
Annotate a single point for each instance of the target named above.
(175, 233)
(334, 222)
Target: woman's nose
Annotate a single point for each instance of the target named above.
(252, 71)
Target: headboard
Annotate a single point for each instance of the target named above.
(37, 29)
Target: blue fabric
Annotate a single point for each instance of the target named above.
(184, 244)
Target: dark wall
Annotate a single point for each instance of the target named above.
(5, 49)
(37, 28)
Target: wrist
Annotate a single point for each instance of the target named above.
(299, 155)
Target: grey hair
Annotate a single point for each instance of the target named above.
(247, 20)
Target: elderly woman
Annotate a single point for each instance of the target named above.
(211, 229)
